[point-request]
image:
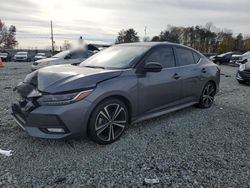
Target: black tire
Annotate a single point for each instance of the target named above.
(108, 121)
(241, 82)
(207, 96)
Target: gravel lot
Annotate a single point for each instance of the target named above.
(189, 148)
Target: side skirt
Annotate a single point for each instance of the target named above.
(162, 112)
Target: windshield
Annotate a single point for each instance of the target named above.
(22, 53)
(247, 53)
(116, 57)
(61, 54)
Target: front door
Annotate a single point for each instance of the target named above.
(158, 90)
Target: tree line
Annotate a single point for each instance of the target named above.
(206, 39)
(7, 36)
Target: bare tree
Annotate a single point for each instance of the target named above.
(66, 45)
(7, 36)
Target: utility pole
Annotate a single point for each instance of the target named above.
(145, 30)
(52, 38)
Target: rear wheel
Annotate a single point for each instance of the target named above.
(207, 97)
(108, 121)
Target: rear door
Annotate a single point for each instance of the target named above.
(158, 90)
(191, 73)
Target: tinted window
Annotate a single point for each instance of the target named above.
(164, 56)
(196, 57)
(185, 56)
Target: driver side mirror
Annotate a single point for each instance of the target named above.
(152, 67)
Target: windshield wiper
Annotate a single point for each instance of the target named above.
(94, 67)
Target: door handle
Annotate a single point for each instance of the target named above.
(203, 70)
(176, 76)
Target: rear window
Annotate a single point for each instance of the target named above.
(185, 56)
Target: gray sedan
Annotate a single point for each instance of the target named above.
(120, 85)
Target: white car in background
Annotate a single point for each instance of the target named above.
(73, 57)
(39, 56)
(21, 56)
(241, 58)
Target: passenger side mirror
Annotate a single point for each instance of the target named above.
(153, 67)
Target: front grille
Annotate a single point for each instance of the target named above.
(20, 58)
(35, 63)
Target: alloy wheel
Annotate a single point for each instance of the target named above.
(110, 122)
(208, 95)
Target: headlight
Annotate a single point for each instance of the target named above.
(63, 99)
(242, 67)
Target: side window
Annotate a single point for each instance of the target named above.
(196, 57)
(185, 56)
(162, 55)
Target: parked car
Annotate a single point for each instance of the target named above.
(208, 55)
(120, 85)
(222, 58)
(5, 56)
(39, 56)
(241, 58)
(73, 57)
(243, 74)
(21, 56)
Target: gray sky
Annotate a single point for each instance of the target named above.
(100, 21)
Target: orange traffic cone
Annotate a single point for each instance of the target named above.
(1, 63)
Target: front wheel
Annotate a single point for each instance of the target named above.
(108, 121)
(207, 96)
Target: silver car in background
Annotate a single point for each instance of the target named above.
(239, 59)
(39, 56)
(73, 57)
(120, 85)
(21, 56)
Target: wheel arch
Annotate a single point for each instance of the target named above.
(120, 97)
(214, 83)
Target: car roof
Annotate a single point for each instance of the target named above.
(149, 44)
(154, 44)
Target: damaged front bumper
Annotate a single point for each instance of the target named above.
(50, 122)
(17, 116)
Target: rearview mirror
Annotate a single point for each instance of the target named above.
(153, 67)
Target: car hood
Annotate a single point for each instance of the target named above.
(65, 78)
(21, 55)
(47, 59)
(236, 56)
(39, 56)
(3, 55)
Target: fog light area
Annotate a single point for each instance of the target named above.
(56, 130)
